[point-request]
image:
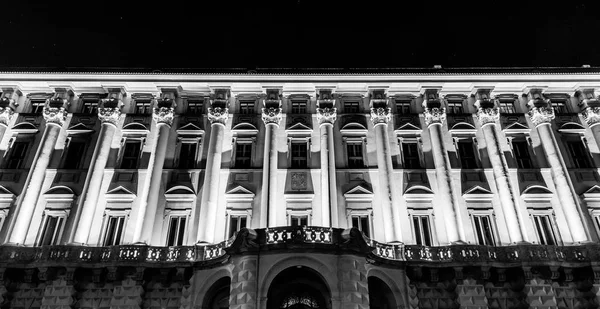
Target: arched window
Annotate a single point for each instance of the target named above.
(217, 296)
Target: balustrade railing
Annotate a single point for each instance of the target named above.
(303, 235)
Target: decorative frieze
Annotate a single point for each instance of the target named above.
(218, 115)
(271, 115)
(164, 115)
(326, 115)
(56, 115)
(434, 115)
(109, 115)
(380, 115)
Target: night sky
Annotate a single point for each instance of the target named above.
(297, 34)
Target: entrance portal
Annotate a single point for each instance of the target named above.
(299, 288)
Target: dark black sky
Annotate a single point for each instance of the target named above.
(296, 33)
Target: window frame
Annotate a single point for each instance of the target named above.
(90, 106)
(295, 212)
(489, 213)
(549, 214)
(297, 108)
(412, 213)
(131, 140)
(195, 141)
(352, 106)
(583, 157)
(528, 149)
(242, 141)
(476, 156)
(144, 105)
(506, 106)
(403, 106)
(560, 105)
(171, 214)
(81, 158)
(23, 159)
(198, 106)
(246, 107)
(455, 104)
(61, 215)
(114, 213)
(306, 141)
(418, 142)
(236, 213)
(348, 140)
(361, 213)
(37, 105)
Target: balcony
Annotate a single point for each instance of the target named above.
(299, 239)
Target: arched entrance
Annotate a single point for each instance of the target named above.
(380, 295)
(299, 288)
(217, 297)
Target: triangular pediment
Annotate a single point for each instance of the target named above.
(299, 127)
(240, 190)
(120, 190)
(79, 126)
(408, 127)
(593, 190)
(190, 128)
(358, 190)
(477, 190)
(516, 127)
(4, 191)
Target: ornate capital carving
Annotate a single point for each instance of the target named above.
(6, 114)
(487, 112)
(326, 115)
(434, 115)
(109, 115)
(271, 115)
(218, 115)
(591, 115)
(540, 114)
(164, 115)
(56, 115)
(380, 115)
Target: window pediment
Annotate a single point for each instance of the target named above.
(408, 129)
(358, 193)
(418, 193)
(79, 128)
(536, 193)
(239, 194)
(190, 129)
(121, 194)
(6, 196)
(477, 193)
(354, 128)
(25, 128)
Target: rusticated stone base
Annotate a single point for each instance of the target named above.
(94, 296)
(540, 294)
(58, 295)
(471, 295)
(503, 297)
(158, 296)
(28, 296)
(354, 283)
(128, 295)
(436, 296)
(243, 283)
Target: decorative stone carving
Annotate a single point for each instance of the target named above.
(271, 115)
(299, 181)
(487, 112)
(591, 115)
(326, 115)
(471, 295)
(434, 115)
(380, 115)
(127, 295)
(56, 115)
(540, 114)
(243, 283)
(164, 115)
(218, 115)
(354, 283)
(540, 294)
(109, 115)
(6, 113)
(59, 294)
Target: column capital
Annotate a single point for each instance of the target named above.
(55, 110)
(590, 105)
(6, 112)
(540, 110)
(434, 115)
(487, 111)
(218, 115)
(380, 115)
(271, 115)
(591, 115)
(326, 115)
(434, 110)
(164, 112)
(109, 114)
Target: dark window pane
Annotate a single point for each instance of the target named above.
(246, 107)
(131, 155)
(351, 107)
(403, 107)
(579, 154)
(17, 155)
(417, 227)
(467, 154)
(243, 155)
(410, 152)
(181, 232)
(426, 230)
(233, 225)
(487, 231)
(51, 231)
(74, 154)
(355, 155)
(455, 107)
(303, 221)
(522, 157)
(143, 107)
(355, 222)
(364, 223)
(299, 155)
(114, 230)
(187, 155)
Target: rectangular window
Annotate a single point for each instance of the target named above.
(544, 229)
(355, 155)
(114, 231)
(246, 107)
(18, 153)
(243, 155)
(410, 154)
(131, 155)
(521, 151)
(507, 106)
(351, 107)
(455, 107)
(52, 231)
(194, 107)
(484, 230)
(90, 106)
(559, 106)
(74, 154)
(362, 224)
(176, 231)
(299, 107)
(579, 154)
(187, 155)
(403, 106)
(422, 230)
(37, 106)
(236, 223)
(299, 220)
(299, 155)
(143, 107)
(466, 153)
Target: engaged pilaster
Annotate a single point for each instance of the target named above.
(163, 114)
(271, 116)
(218, 113)
(435, 115)
(326, 115)
(55, 113)
(487, 115)
(109, 112)
(590, 110)
(541, 114)
(380, 116)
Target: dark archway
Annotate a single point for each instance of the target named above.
(380, 295)
(299, 288)
(217, 297)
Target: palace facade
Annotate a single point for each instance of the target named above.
(270, 189)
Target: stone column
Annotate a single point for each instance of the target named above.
(590, 105)
(6, 111)
(109, 114)
(541, 114)
(217, 115)
(380, 116)
(435, 114)
(55, 114)
(326, 117)
(487, 114)
(268, 212)
(163, 116)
